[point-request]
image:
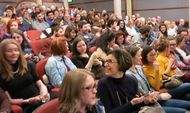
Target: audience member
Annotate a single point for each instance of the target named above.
(78, 93)
(39, 23)
(116, 91)
(24, 44)
(84, 33)
(144, 88)
(19, 78)
(58, 64)
(105, 43)
(120, 39)
(11, 25)
(70, 34)
(80, 53)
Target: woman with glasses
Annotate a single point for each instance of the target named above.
(116, 91)
(78, 93)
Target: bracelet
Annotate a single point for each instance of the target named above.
(25, 101)
(166, 74)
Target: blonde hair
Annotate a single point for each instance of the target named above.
(71, 89)
(5, 66)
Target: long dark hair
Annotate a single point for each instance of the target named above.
(74, 46)
(102, 42)
(25, 44)
(146, 49)
(165, 33)
(68, 30)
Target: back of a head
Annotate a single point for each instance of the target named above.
(106, 37)
(144, 29)
(59, 46)
(179, 39)
(132, 49)
(162, 46)
(123, 58)
(145, 51)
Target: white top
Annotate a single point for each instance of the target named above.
(183, 54)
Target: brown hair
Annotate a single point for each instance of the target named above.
(132, 50)
(123, 58)
(162, 46)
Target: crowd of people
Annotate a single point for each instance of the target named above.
(101, 62)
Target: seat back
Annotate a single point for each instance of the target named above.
(33, 35)
(37, 45)
(16, 109)
(49, 107)
(40, 68)
(92, 49)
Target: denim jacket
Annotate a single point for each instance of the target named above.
(56, 69)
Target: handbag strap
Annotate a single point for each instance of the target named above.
(68, 68)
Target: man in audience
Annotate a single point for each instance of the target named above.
(39, 23)
(21, 25)
(84, 33)
(181, 24)
(143, 38)
(50, 17)
(112, 25)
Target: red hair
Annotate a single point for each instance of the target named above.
(59, 46)
(9, 24)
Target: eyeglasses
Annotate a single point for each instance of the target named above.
(109, 61)
(91, 88)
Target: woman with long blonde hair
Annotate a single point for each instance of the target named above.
(19, 78)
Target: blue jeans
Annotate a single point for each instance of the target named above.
(175, 105)
(181, 92)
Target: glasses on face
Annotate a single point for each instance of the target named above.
(109, 61)
(91, 87)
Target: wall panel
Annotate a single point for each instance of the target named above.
(167, 9)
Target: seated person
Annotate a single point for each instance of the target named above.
(116, 91)
(25, 46)
(78, 93)
(19, 78)
(58, 64)
(144, 88)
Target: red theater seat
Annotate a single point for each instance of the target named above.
(37, 45)
(16, 109)
(49, 107)
(40, 68)
(33, 35)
